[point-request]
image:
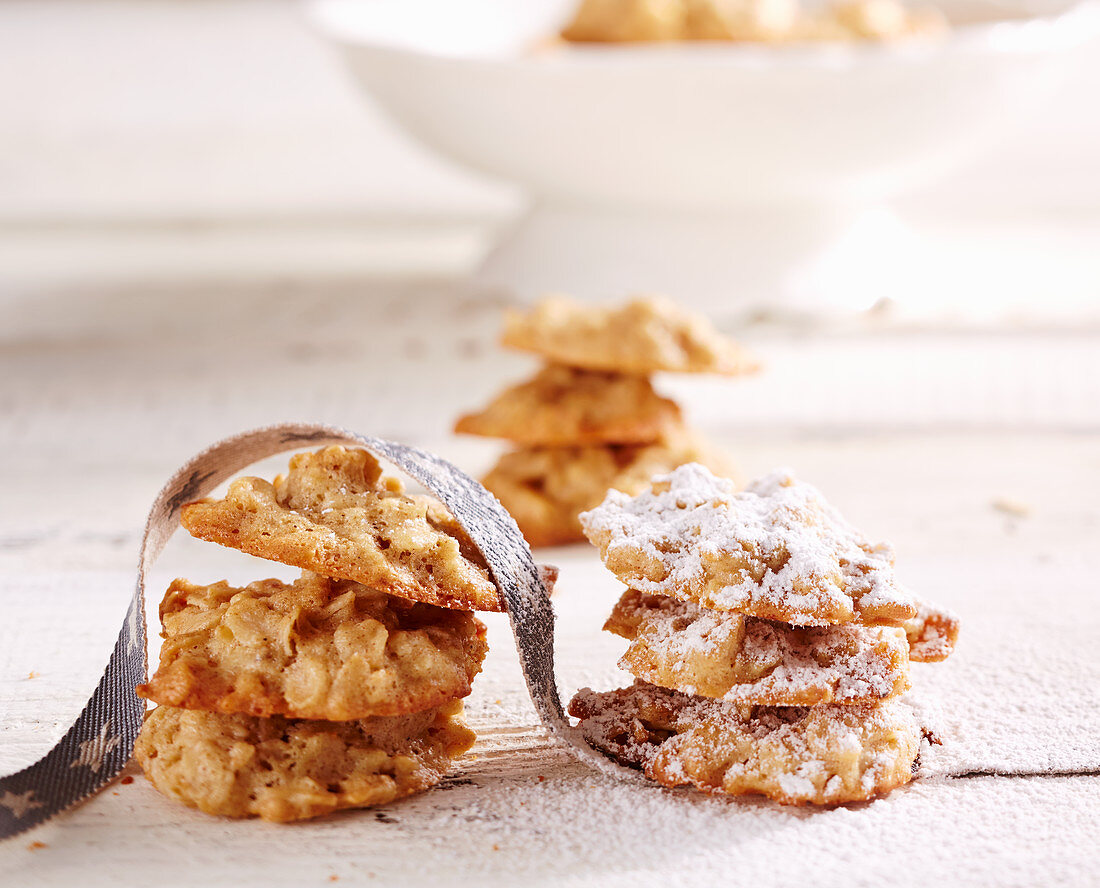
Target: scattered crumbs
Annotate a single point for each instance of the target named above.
(414, 349)
(470, 348)
(127, 780)
(1010, 506)
(541, 778)
(496, 847)
(32, 674)
(34, 846)
(334, 878)
(884, 307)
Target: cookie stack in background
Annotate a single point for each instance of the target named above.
(768, 638)
(342, 689)
(590, 420)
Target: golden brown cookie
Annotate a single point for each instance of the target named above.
(334, 514)
(646, 335)
(932, 633)
(546, 488)
(564, 406)
(746, 660)
(819, 755)
(875, 20)
(776, 550)
(759, 21)
(290, 769)
(626, 21)
(317, 649)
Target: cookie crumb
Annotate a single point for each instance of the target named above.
(1010, 506)
(34, 846)
(127, 780)
(32, 674)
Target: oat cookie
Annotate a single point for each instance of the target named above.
(545, 488)
(646, 335)
(932, 633)
(759, 21)
(335, 514)
(290, 769)
(820, 755)
(564, 406)
(746, 660)
(879, 20)
(776, 550)
(626, 21)
(317, 649)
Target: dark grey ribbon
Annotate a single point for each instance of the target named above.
(98, 746)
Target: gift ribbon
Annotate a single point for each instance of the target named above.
(99, 744)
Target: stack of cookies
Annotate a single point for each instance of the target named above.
(342, 689)
(768, 638)
(589, 420)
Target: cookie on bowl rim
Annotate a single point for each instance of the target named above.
(818, 755)
(546, 488)
(315, 649)
(749, 661)
(776, 549)
(282, 769)
(649, 334)
(335, 514)
(570, 406)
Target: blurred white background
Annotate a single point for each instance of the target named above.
(143, 140)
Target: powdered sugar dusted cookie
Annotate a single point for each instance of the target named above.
(564, 406)
(646, 335)
(290, 769)
(546, 488)
(335, 514)
(821, 755)
(932, 633)
(317, 648)
(776, 550)
(746, 660)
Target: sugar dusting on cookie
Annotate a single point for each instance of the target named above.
(797, 755)
(776, 550)
(680, 645)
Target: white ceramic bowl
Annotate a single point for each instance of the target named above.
(699, 125)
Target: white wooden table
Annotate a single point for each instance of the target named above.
(976, 453)
(196, 240)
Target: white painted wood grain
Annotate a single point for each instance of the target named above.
(914, 434)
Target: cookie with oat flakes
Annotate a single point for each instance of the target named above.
(746, 660)
(283, 769)
(932, 633)
(646, 335)
(546, 488)
(818, 755)
(316, 648)
(775, 550)
(335, 514)
(566, 406)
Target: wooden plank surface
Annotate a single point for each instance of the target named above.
(976, 454)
